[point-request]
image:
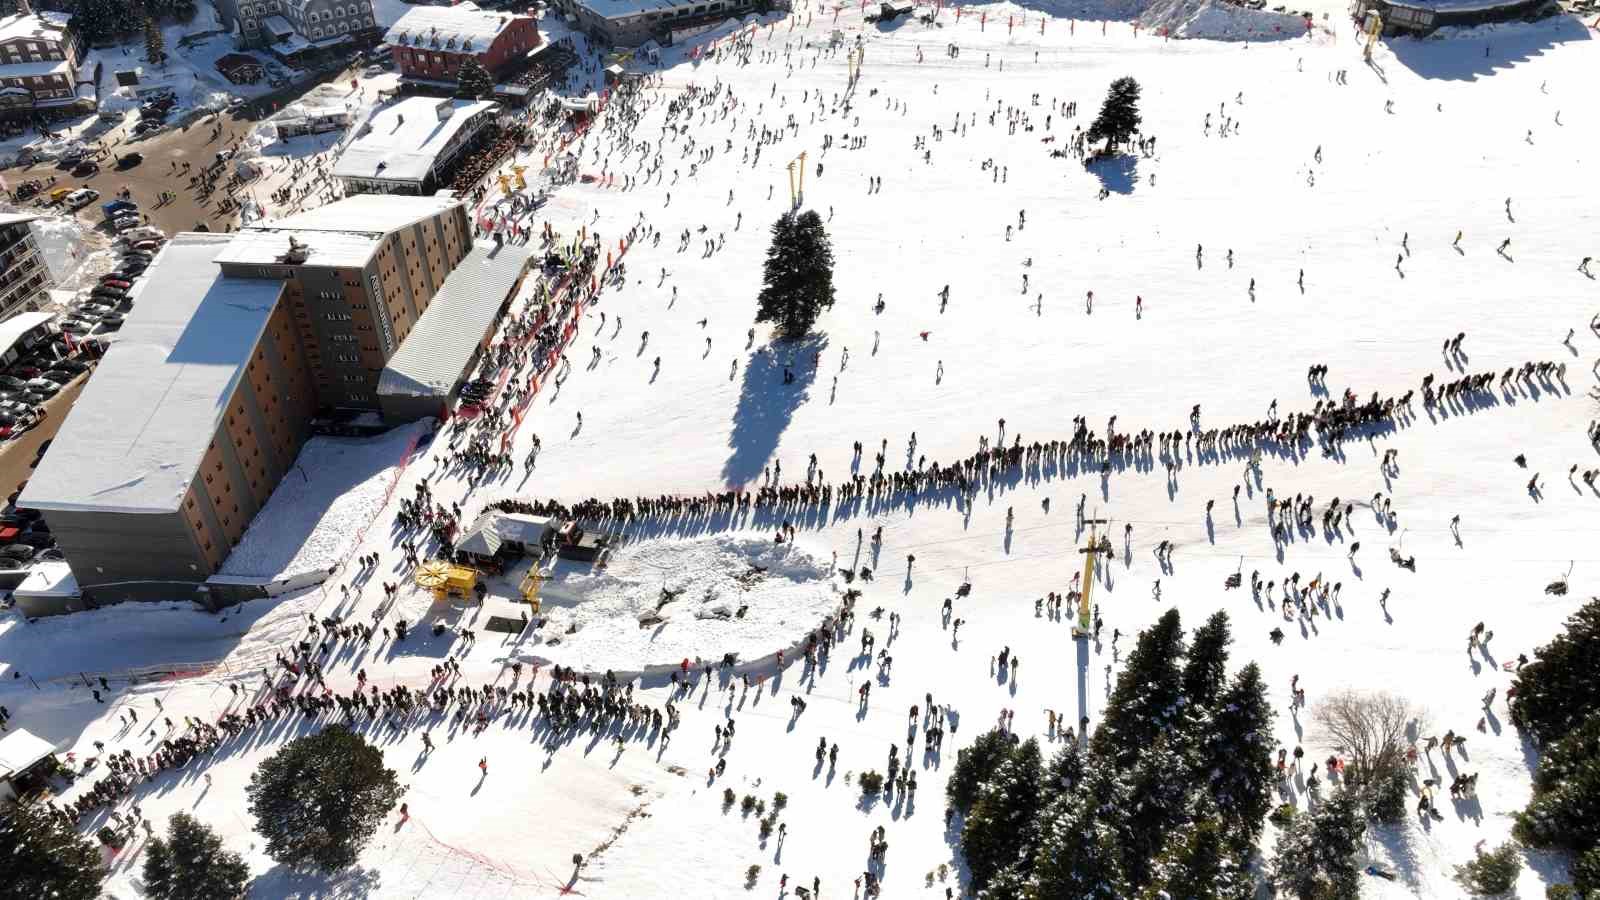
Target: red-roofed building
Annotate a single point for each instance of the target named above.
(430, 42)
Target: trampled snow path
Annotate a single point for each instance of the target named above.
(1455, 147)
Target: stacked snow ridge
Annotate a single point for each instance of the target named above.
(1216, 20)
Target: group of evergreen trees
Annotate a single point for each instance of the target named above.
(1168, 799)
(317, 802)
(1557, 705)
(101, 21)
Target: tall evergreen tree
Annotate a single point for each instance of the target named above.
(1237, 755)
(1159, 804)
(1119, 115)
(1003, 822)
(1556, 690)
(1147, 699)
(41, 857)
(155, 43)
(190, 863)
(1079, 852)
(1315, 856)
(1206, 670)
(1200, 861)
(973, 765)
(320, 799)
(473, 81)
(797, 281)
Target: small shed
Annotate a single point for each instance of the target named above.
(26, 760)
(241, 68)
(498, 535)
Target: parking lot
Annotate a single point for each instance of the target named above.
(18, 454)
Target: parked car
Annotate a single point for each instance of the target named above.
(112, 293)
(12, 383)
(149, 245)
(24, 371)
(86, 169)
(58, 376)
(18, 407)
(73, 326)
(129, 160)
(27, 190)
(374, 70)
(18, 551)
(112, 282)
(133, 267)
(70, 365)
(81, 197)
(43, 386)
(145, 255)
(37, 541)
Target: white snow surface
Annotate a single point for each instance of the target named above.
(790, 599)
(65, 242)
(319, 511)
(1455, 147)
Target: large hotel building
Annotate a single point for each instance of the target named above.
(205, 399)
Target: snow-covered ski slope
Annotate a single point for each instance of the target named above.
(1455, 147)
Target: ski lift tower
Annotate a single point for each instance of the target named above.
(1094, 548)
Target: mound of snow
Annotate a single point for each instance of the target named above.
(1217, 20)
(712, 578)
(62, 240)
(299, 529)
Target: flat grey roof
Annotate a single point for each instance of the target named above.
(136, 435)
(345, 233)
(434, 356)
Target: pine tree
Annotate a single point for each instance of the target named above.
(1315, 856)
(42, 857)
(797, 282)
(1206, 671)
(1079, 852)
(473, 81)
(1200, 860)
(1567, 814)
(1002, 825)
(155, 43)
(1147, 699)
(1492, 873)
(320, 799)
(973, 765)
(191, 864)
(1119, 115)
(1563, 759)
(1555, 691)
(1160, 803)
(1237, 755)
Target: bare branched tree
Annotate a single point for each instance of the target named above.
(1372, 727)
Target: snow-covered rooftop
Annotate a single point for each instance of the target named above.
(137, 433)
(436, 353)
(42, 67)
(21, 749)
(345, 233)
(403, 141)
(19, 325)
(38, 25)
(449, 28)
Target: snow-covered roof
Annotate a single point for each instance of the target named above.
(135, 437)
(49, 578)
(619, 9)
(42, 67)
(345, 233)
(19, 325)
(1457, 6)
(403, 141)
(435, 355)
(21, 749)
(278, 27)
(452, 29)
(39, 25)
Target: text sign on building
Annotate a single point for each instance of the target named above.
(382, 305)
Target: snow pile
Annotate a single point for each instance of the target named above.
(63, 241)
(321, 507)
(712, 579)
(1218, 20)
